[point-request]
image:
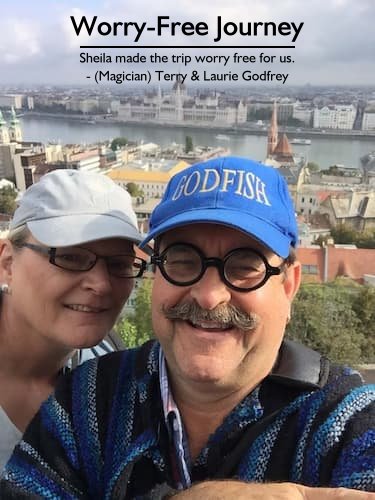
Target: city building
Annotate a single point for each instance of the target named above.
(303, 112)
(309, 197)
(178, 107)
(11, 101)
(88, 160)
(285, 110)
(368, 166)
(7, 152)
(202, 153)
(25, 162)
(324, 264)
(368, 120)
(352, 208)
(143, 210)
(30, 102)
(151, 183)
(54, 153)
(337, 116)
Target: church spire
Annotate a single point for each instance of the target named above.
(4, 132)
(15, 131)
(2, 121)
(272, 132)
(13, 117)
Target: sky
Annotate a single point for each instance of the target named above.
(336, 45)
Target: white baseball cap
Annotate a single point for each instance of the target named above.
(71, 207)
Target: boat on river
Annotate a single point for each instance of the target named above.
(302, 142)
(222, 137)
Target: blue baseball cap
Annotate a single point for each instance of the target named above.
(236, 192)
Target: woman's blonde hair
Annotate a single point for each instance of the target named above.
(19, 235)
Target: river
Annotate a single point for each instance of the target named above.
(325, 151)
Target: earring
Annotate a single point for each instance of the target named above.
(5, 288)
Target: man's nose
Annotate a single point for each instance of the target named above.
(210, 290)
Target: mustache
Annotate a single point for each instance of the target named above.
(223, 313)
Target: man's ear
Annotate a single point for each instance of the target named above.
(292, 279)
(6, 261)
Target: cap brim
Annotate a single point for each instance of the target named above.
(259, 229)
(69, 230)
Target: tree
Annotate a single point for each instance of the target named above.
(293, 122)
(332, 170)
(8, 197)
(134, 190)
(142, 309)
(188, 144)
(344, 234)
(323, 319)
(364, 306)
(118, 142)
(259, 114)
(366, 239)
(313, 167)
(136, 329)
(128, 332)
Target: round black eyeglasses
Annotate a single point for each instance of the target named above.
(79, 259)
(242, 269)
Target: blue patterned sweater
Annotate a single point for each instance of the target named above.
(103, 436)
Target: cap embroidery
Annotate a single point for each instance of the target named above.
(242, 183)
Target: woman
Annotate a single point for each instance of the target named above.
(66, 270)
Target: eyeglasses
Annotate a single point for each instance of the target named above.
(79, 259)
(242, 269)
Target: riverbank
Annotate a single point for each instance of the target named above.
(243, 129)
(323, 150)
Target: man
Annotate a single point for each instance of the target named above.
(224, 408)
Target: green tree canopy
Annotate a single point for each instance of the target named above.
(8, 197)
(366, 239)
(313, 166)
(118, 142)
(348, 235)
(259, 114)
(128, 332)
(344, 234)
(292, 122)
(364, 307)
(332, 170)
(323, 318)
(136, 329)
(188, 144)
(134, 190)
